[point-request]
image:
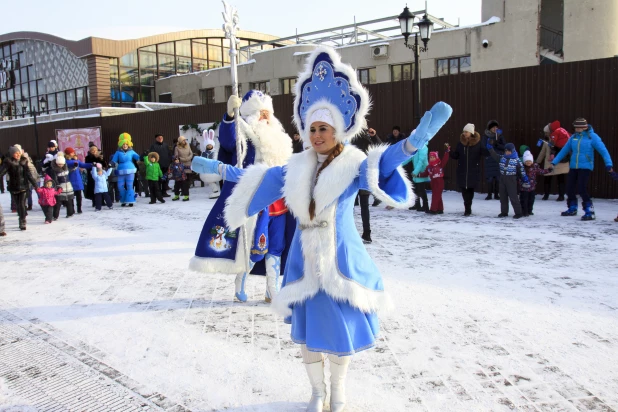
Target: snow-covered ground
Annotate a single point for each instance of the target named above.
(492, 314)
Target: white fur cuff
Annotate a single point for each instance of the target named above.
(373, 179)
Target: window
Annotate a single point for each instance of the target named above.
(165, 98)
(264, 87)
(367, 76)
(454, 65)
(287, 86)
(228, 91)
(401, 72)
(207, 96)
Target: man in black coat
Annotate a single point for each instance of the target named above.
(18, 170)
(363, 142)
(165, 159)
(297, 143)
(396, 136)
(493, 135)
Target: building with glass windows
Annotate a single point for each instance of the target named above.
(94, 72)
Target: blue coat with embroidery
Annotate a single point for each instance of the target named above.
(327, 252)
(581, 147)
(124, 161)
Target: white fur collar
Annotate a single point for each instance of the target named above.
(333, 180)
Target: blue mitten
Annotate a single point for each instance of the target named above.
(418, 138)
(440, 113)
(203, 165)
(489, 147)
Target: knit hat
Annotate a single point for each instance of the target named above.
(469, 128)
(125, 138)
(523, 148)
(69, 151)
(528, 156)
(510, 147)
(492, 123)
(580, 122)
(13, 150)
(60, 160)
(99, 166)
(181, 139)
(52, 143)
(435, 156)
(546, 129)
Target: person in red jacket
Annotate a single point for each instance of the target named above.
(47, 198)
(559, 136)
(435, 171)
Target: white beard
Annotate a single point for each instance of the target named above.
(273, 146)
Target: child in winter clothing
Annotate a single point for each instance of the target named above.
(61, 170)
(511, 169)
(75, 176)
(101, 192)
(143, 182)
(153, 174)
(419, 163)
(435, 171)
(176, 172)
(527, 194)
(47, 198)
(114, 193)
(210, 153)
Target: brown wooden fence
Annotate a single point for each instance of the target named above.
(523, 100)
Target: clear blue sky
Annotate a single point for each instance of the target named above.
(127, 19)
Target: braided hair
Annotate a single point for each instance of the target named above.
(336, 152)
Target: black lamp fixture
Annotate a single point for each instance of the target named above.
(24, 105)
(406, 21)
(425, 27)
(43, 103)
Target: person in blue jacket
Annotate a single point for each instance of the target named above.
(581, 146)
(75, 176)
(420, 162)
(122, 161)
(332, 290)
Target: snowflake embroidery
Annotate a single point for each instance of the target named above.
(321, 72)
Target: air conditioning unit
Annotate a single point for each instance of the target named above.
(379, 51)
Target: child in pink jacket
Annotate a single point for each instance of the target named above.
(47, 198)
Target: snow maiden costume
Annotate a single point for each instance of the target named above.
(125, 169)
(221, 249)
(331, 290)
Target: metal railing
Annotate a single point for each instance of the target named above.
(552, 40)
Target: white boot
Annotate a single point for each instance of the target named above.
(214, 190)
(240, 293)
(273, 269)
(338, 371)
(318, 388)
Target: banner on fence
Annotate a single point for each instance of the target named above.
(79, 140)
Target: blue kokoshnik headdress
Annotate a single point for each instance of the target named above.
(328, 90)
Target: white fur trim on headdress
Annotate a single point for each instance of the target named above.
(321, 115)
(359, 124)
(255, 104)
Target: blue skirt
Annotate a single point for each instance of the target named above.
(326, 325)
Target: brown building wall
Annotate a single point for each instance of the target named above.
(98, 81)
(523, 100)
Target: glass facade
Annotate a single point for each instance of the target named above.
(19, 84)
(132, 77)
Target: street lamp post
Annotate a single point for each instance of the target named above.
(24, 106)
(425, 28)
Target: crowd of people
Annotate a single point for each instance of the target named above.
(62, 180)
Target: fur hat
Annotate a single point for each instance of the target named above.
(510, 147)
(52, 143)
(547, 129)
(528, 156)
(13, 150)
(60, 160)
(328, 90)
(155, 155)
(255, 101)
(492, 123)
(125, 138)
(469, 128)
(69, 151)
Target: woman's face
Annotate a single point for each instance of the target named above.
(125, 146)
(93, 150)
(322, 136)
(467, 135)
(17, 155)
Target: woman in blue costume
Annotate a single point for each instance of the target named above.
(332, 290)
(125, 169)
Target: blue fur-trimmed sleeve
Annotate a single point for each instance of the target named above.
(257, 188)
(382, 175)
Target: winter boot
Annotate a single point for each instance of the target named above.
(572, 210)
(376, 202)
(588, 211)
(240, 293)
(489, 196)
(417, 205)
(175, 198)
(185, 199)
(497, 196)
(318, 387)
(545, 197)
(615, 220)
(273, 270)
(338, 371)
(468, 209)
(366, 236)
(214, 191)
(560, 192)
(424, 209)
